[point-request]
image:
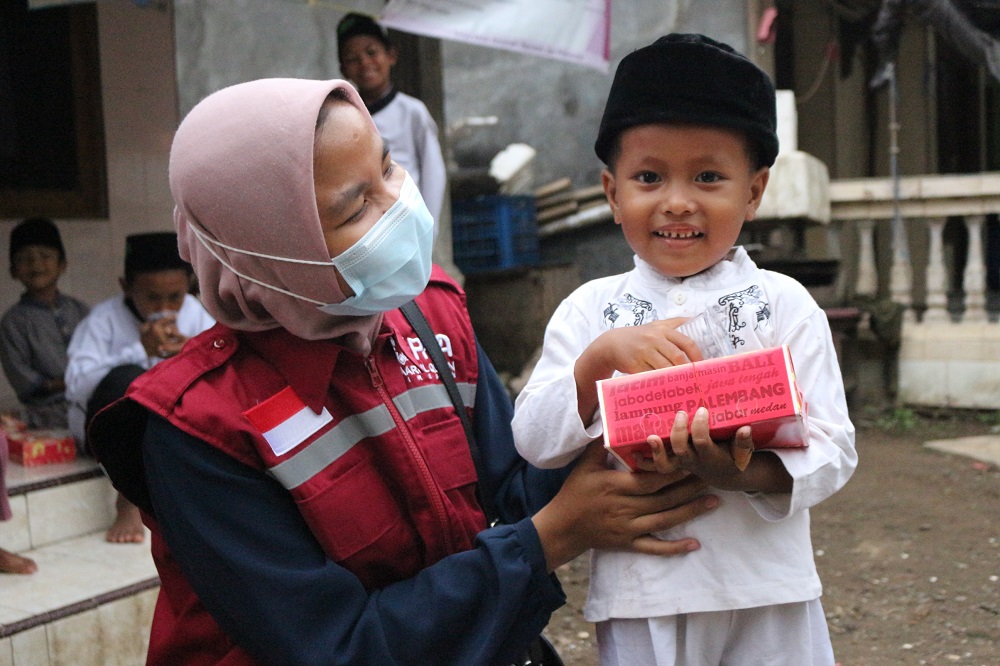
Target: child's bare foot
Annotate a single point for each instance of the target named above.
(15, 564)
(127, 527)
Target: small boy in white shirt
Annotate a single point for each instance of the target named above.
(688, 136)
(126, 335)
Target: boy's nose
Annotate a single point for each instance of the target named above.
(676, 200)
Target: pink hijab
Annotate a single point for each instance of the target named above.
(241, 173)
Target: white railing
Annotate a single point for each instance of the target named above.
(929, 200)
(948, 357)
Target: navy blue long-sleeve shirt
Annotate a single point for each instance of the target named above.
(250, 557)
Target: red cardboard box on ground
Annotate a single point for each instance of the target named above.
(41, 447)
(755, 388)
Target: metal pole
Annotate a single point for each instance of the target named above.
(898, 229)
(901, 278)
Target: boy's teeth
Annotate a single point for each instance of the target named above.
(678, 234)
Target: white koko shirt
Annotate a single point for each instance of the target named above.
(755, 548)
(411, 134)
(109, 337)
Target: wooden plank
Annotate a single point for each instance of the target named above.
(593, 203)
(554, 199)
(556, 212)
(587, 193)
(557, 185)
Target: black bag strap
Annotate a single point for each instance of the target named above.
(541, 652)
(419, 323)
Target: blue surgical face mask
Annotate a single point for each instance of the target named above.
(387, 267)
(391, 264)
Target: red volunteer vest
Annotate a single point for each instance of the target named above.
(381, 428)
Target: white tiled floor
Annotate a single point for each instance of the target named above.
(73, 571)
(70, 510)
(114, 634)
(76, 565)
(52, 503)
(18, 476)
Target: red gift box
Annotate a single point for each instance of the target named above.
(41, 447)
(755, 388)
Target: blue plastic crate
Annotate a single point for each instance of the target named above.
(494, 232)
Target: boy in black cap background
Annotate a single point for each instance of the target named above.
(35, 331)
(688, 136)
(126, 335)
(367, 57)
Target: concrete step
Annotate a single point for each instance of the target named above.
(90, 602)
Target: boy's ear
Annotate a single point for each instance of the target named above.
(393, 55)
(610, 191)
(757, 187)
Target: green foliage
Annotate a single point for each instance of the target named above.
(989, 417)
(898, 419)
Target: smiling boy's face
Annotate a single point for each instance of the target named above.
(38, 268)
(681, 194)
(368, 63)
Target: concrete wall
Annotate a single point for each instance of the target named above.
(140, 114)
(556, 108)
(223, 43)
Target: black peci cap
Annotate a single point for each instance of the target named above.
(354, 24)
(693, 79)
(36, 231)
(152, 252)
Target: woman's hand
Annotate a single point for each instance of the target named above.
(599, 507)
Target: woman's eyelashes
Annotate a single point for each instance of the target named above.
(359, 213)
(390, 169)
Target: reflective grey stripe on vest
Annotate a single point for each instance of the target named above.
(337, 441)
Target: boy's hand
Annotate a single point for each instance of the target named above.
(160, 338)
(630, 349)
(660, 459)
(634, 349)
(720, 465)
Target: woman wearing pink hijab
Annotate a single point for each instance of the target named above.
(307, 482)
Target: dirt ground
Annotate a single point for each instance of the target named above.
(908, 551)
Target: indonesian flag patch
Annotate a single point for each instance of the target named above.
(285, 421)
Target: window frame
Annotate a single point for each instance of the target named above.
(89, 198)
